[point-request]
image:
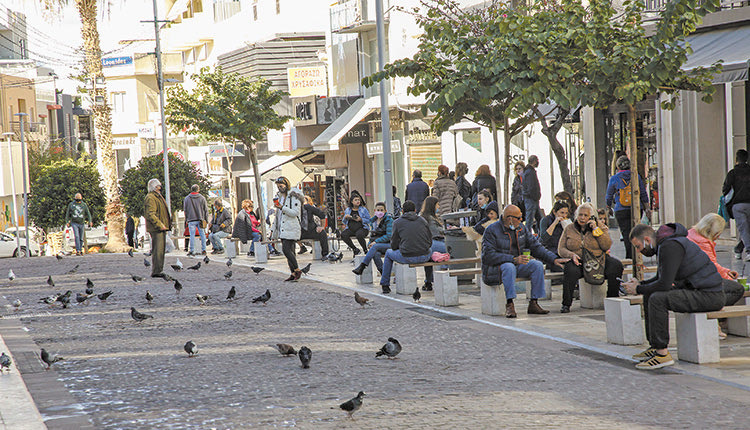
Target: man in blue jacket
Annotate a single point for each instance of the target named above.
(619, 191)
(503, 259)
(532, 193)
(417, 190)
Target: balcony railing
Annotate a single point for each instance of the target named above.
(658, 5)
(226, 9)
(350, 16)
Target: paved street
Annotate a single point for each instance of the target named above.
(453, 373)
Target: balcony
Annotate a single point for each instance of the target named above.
(224, 10)
(354, 16)
(658, 5)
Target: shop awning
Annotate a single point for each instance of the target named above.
(730, 45)
(177, 9)
(277, 161)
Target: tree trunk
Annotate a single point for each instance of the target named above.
(498, 161)
(259, 204)
(506, 147)
(103, 123)
(635, 188)
(562, 159)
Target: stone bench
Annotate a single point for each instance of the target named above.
(261, 250)
(493, 296)
(406, 274)
(592, 296)
(697, 339)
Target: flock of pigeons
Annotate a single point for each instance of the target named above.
(390, 350)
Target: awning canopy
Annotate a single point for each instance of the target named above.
(177, 9)
(730, 45)
(277, 161)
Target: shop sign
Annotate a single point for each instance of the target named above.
(422, 137)
(220, 151)
(116, 61)
(307, 81)
(330, 108)
(305, 111)
(360, 133)
(147, 131)
(375, 148)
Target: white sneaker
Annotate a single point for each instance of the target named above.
(738, 255)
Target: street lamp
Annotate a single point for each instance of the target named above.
(13, 190)
(20, 116)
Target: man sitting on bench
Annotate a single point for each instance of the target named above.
(411, 243)
(686, 281)
(503, 259)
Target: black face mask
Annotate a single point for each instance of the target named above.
(648, 251)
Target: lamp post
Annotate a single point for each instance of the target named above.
(13, 190)
(384, 111)
(160, 85)
(20, 116)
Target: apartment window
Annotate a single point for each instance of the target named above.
(255, 12)
(118, 102)
(278, 7)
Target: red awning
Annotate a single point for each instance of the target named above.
(53, 107)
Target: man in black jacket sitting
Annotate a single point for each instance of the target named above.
(311, 230)
(686, 281)
(411, 243)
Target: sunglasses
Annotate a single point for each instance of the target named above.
(515, 217)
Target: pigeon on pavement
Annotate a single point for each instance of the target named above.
(177, 286)
(146, 263)
(196, 267)
(17, 304)
(175, 267)
(229, 262)
(353, 405)
(59, 257)
(206, 259)
(5, 363)
(361, 300)
(285, 349)
(136, 278)
(82, 298)
(50, 300)
(202, 299)
(263, 298)
(417, 295)
(130, 252)
(50, 282)
(390, 349)
(74, 269)
(257, 269)
(11, 275)
(305, 355)
(191, 348)
(89, 286)
(232, 293)
(306, 269)
(138, 316)
(228, 275)
(149, 297)
(50, 359)
(65, 298)
(104, 296)
(167, 277)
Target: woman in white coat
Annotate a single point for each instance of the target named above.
(288, 225)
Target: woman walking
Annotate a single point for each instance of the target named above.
(287, 226)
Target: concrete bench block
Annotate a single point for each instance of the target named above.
(446, 289)
(624, 322)
(697, 340)
(592, 296)
(230, 247)
(523, 286)
(493, 299)
(366, 276)
(317, 251)
(406, 278)
(739, 326)
(261, 252)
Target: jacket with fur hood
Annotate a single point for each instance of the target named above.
(288, 223)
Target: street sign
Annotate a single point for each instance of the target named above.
(375, 148)
(116, 61)
(220, 151)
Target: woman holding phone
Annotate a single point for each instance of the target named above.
(356, 219)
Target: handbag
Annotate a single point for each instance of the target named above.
(204, 224)
(593, 267)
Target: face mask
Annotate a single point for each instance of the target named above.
(512, 227)
(484, 206)
(648, 251)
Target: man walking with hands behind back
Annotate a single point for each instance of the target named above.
(74, 217)
(738, 181)
(158, 222)
(196, 216)
(532, 193)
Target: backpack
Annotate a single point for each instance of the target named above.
(626, 195)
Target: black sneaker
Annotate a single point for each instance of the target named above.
(356, 251)
(302, 250)
(359, 269)
(427, 286)
(565, 309)
(386, 289)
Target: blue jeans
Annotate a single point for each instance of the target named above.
(533, 270)
(215, 239)
(741, 212)
(437, 246)
(192, 227)
(78, 235)
(395, 255)
(256, 238)
(373, 254)
(532, 208)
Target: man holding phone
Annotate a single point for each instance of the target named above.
(288, 228)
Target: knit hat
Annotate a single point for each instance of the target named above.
(492, 206)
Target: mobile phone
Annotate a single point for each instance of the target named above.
(621, 280)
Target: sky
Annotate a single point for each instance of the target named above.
(54, 36)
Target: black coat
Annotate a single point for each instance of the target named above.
(516, 196)
(484, 181)
(417, 191)
(531, 188)
(464, 188)
(739, 180)
(308, 220)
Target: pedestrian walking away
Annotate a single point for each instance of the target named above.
(196, 216)
(221, 227)
(446, 192)
(158, 223)
(288, 223)
(686, 281)
(483, 180)
(417, 190)
(462, 184)
(75, 217)
(532, 193)
(619, 193)
(736, 190)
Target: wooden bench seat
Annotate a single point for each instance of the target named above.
(472, 260)
(697, 339)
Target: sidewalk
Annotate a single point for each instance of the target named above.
(582, 328)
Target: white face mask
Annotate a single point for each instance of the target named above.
(566, 222)
(512, 227)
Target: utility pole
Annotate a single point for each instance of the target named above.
(25, 186)
(384, 111)
(13, 190)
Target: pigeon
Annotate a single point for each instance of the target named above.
(196, 267)
(167, 278)
(390, 349)
(74, 269)
(228, 275)
(149, 297)
(50, 300)
(48, 359)
(104, 296)
(361, 300)
(333, 257)
(146, 263)
(353, 405)
(206, 259)
(136, 278)
(263, 298)
(417, 295)
(284, 349)
(147, 254)
(4, 363)
(138, 316)
(59, 257)
(202, 299)
(130, 252)
(191, 348)
(257, 269)
(178, 263)
(82, 298)
(177, 286)
(229, 262)
(50, 282)
(17, 304)
(305, 355)
(89, 284)
(231, 294)
(62, 298)
(306, 269)
(11, 275)
(175, 267)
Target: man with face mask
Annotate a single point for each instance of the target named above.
(74, 216)
(686, 281)
(503, 259)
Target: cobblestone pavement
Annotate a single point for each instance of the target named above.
(453, 373)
